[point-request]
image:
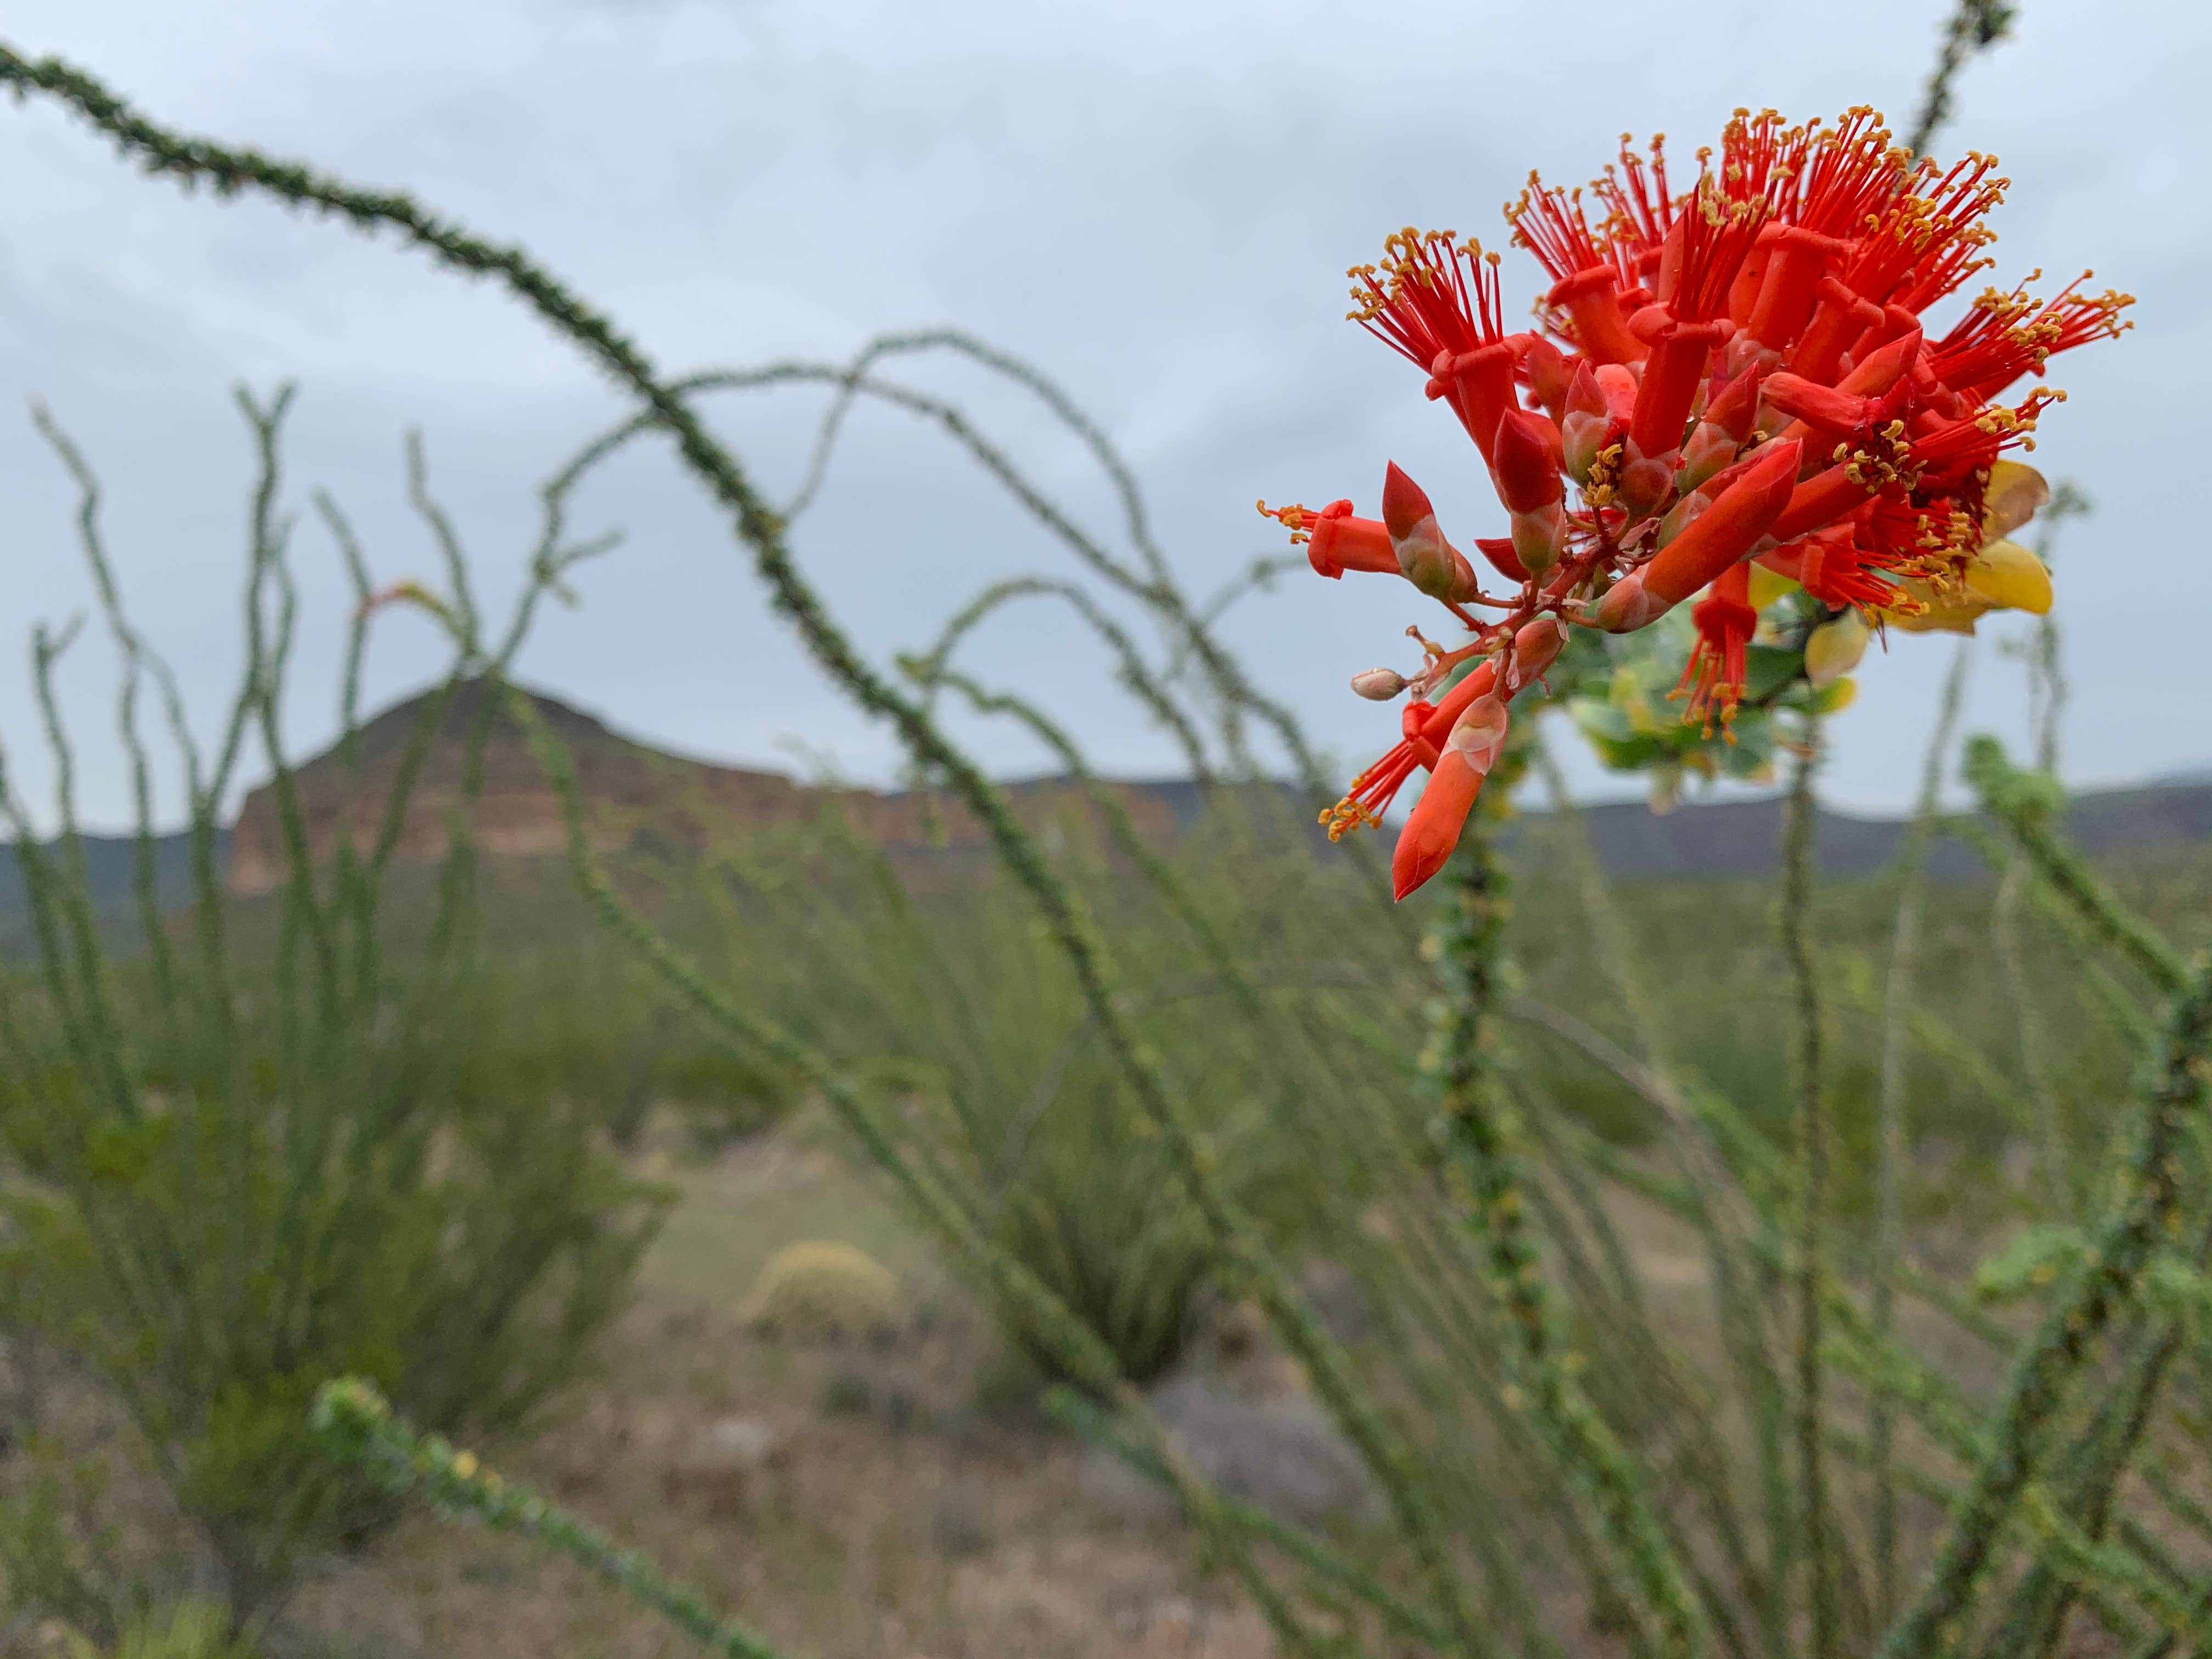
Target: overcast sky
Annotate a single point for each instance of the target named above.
(1154, 200)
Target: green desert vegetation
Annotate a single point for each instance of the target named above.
(1670, 1266)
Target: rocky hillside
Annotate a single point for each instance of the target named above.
(637, 796)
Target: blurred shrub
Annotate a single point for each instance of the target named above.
(588, 1027)
(215, 1222)
(188, 1629)
(63, 1555)
(264, 1151)
(939, 985)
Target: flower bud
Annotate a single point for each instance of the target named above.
(1728, 530)
(1548, 377)
(1679, 516)
(1379, 685)
(1645, 481)
(1525, 463)
(1883, 369)
(1824, 408)
(1582, 440)
(1539, 538)
(1432, 828)
(1424, 558)
(1708, 449)
(1625, 607)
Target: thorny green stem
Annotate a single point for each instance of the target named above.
(2025, 803)
(1721, 1218)
(1976, 25)
(1891, 1125)
(2006, 945)
(357, 1426)
(1479, 1130)
(1799, 826)
(2145, 1210)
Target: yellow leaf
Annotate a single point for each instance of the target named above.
(2004, 575)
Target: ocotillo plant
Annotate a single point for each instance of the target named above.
(243, 1160)
(1531, 1406)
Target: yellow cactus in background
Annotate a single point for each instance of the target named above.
(821, 1288)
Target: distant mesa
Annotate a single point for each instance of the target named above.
(635, 796)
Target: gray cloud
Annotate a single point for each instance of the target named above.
(1153, 201)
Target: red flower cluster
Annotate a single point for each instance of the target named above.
(1730, 374)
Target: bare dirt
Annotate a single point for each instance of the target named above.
(846, 1498)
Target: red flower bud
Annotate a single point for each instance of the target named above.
(1880, 370)
(1540, 536)
(1738, 401)
(1525, 462)
(1404, 504)
(1432, 828)
(1548, 377)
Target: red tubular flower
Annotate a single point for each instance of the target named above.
(1435, 301)
(1432, 828)
(1796, 259)
(1735, 371)
(1426, 727)
(1714, 674)
(1672, 376)
(1335, 541)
